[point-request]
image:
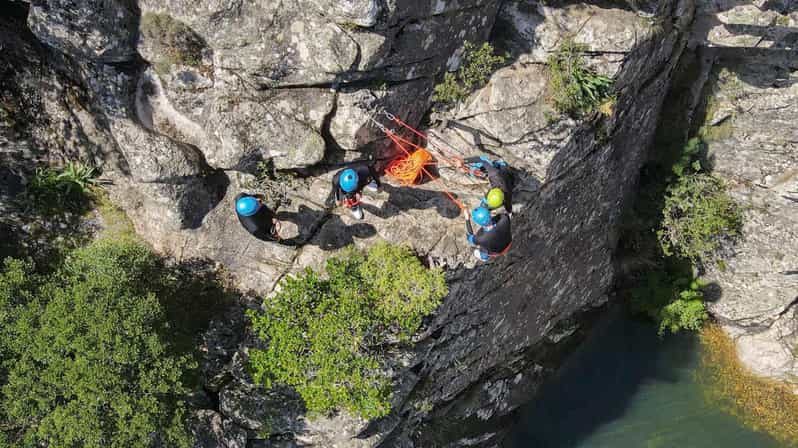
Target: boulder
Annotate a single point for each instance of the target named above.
(252, 407)
(98, 30)
(212, 430)
(752, 134)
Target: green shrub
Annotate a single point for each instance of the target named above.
(574, 88)
(676, 199)
(86, 360)
(402, 288)
(687, 312)
(698, 216)
(478, 65)
(688, 160)
(322, 334)
(672, 298)
(68, 189)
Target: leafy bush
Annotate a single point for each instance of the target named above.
(475, 70)
(676, 199)
(688, 160)
(698, 215)
(401, 287)
(322, 333)
(85, 355)
(574, 88)
(672, 298)
(68, 189)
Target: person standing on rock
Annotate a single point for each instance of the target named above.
(494, 237)
(257, 218)
(348, 183)
(500, 178)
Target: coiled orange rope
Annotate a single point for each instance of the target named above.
(409, 169)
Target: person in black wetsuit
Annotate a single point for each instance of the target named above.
(495, 236)
(500, 178)
(348, 183)
(256, 217)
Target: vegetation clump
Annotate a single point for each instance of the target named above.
(85, 357)
(672, 298)
(54, 190)
(174, 41)
(679, 222)
(324, 335)
(479, 62)
(574, 88)
(698, 216)
(273, 184)
(761, 404)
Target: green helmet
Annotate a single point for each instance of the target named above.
(495, 198)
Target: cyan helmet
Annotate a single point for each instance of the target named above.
(247, 206)
(481, 216)
(348, 180)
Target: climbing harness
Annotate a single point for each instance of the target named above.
(502, 253)
(352, 202)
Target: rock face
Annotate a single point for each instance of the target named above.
(212, 88)
(753, 110)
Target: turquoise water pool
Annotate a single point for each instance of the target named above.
(627, 388)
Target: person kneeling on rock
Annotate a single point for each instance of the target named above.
(501, 181)
(348, 184)
(256, 217)
(493, 238)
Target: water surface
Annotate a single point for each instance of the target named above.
(627, 388)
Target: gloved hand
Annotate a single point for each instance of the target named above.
(466, 215)
(471, 240)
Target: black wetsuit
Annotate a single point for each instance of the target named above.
(494, 241)
(500, 178)
(365, 175)
(260, 224)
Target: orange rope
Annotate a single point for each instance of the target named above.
(404, 171)
(407, 170)
(424, 136)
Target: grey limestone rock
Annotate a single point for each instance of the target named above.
(753, 147)
(212, 430)
(96, 29)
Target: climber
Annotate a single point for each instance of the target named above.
(494, 238)
(256, 217)
(501, 181)
(348, 183)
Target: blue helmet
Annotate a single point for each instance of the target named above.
(348, 180)
(481, 216)
(247, 206)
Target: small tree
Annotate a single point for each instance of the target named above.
(321, 333)
(86, 360)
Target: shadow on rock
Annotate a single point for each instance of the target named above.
(336, 234)
(192, 295)
(403, 199)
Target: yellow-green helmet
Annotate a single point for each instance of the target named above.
(495, 198)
